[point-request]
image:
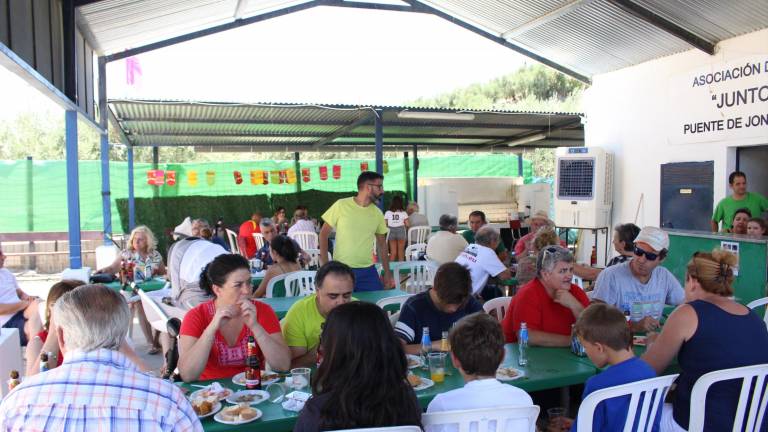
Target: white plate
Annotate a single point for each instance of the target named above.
(216, 408)
(239, 379)
(259, 397)
(504, 377)
(218, 418)
(199, 393)
(413, 358)
(425, 384)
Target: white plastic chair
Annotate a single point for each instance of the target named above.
(416, 247)
(273, 282)
(386, 429)
(418, 234)
(259, 238)
(756, 399)
(506, 419)
(314, 259)
(421, 277)
(232, 238)
(106, 255)
(760, 302)
(305, 239)
(499, 305)
(389, 301)
(394, 318)
(157, 318)
(10, 352)
(300, 283)
(653, 390)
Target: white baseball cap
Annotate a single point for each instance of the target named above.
(654, 237)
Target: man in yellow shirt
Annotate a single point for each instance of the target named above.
(358, 222)
(303, 323)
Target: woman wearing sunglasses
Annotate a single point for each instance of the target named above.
(641, 287)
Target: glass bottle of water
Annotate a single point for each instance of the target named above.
(426, 347)
(522, 345)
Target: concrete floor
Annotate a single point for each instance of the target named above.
(38, 285)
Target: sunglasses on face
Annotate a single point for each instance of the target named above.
(650, 256)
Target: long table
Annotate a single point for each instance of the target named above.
(547, 368)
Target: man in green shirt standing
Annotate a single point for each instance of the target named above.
(359, 224)
(726, 208)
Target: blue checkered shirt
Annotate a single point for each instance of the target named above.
(96, 391)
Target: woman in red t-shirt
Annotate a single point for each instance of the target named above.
(549, 304)
(214, 334)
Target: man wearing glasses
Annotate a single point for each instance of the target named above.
(358, 223)
(641, 287)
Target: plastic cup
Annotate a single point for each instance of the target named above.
(277, 391)
(437, 366)
(300, 379)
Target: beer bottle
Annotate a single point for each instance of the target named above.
(252, 367)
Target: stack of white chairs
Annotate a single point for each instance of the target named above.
(498, 419)
(418, 234)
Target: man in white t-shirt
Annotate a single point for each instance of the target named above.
(445, 245)
(481, 259)
(477, 350)
(186, 260)
(17, 309)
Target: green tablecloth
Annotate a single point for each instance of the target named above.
(547, 368)
(281, 304)
(152, 285)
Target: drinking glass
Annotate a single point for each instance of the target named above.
(300, 379)
(437, 366)
(277, 391)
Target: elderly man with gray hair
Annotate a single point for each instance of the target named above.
(445, 245)
(97, 387)
(414, 217)
(549, 304)
(481, 259)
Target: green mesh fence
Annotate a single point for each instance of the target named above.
(35, 195)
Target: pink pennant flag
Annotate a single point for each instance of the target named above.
(132, 70)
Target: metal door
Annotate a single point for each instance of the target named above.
(686, 195)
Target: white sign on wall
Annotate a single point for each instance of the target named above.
(721, 102)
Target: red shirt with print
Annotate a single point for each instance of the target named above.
(226, 361)
(533, 306)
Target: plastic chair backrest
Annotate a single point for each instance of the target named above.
(760, 302)
(386, 429)
(756, 399)
(420, 275)
(484, 418)
(314, 259)
(300, 283)
(305, 239)
(653, 391)
(499, 305)
(394, 318)
(157, 318)
(409, 250)
(233, 245)
(392, 305)
(418, 234)
(106, 255)
(259, 238)
(276, 287)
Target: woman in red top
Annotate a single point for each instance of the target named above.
(549, 304)
(214, 334)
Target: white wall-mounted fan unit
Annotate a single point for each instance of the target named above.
(583, 187)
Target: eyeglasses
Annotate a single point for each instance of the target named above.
(650, 256)
(380, 186)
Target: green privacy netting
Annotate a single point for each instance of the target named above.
(47, 210)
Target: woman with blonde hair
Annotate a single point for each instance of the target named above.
(147, 261)
(699, 333)
(526, 265)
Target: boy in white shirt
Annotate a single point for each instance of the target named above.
(477, 350)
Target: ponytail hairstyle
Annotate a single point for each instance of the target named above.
(714, 271)
(285, 247)
(218, 270)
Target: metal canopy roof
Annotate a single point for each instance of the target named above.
(214, 126)
(578, 37)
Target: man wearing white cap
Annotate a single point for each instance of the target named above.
(641, 287)
(537, 221)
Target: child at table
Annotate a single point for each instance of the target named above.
(477, 350)
(603, 332)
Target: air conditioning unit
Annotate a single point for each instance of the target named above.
(583, 187)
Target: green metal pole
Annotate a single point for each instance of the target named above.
(407, 177)
(297, 168)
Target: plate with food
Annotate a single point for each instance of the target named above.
(419, 383)
(267, 378)
(251, 397)
(212, 391)
(414, 361)
(506, 373)
(237, 414)
(205, 408)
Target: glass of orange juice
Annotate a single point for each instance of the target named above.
(437, 366)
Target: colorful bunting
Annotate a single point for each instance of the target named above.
(323, 173)
(291, 176)
(386, 167)
(363, 166)
(155, 177)
(274, 177)
(305, 175)
(283, 176)
(336, 172)
(238, 177)
(192, 178)
(170, 178)
(210, 177)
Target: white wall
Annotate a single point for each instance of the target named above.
(628, 112)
